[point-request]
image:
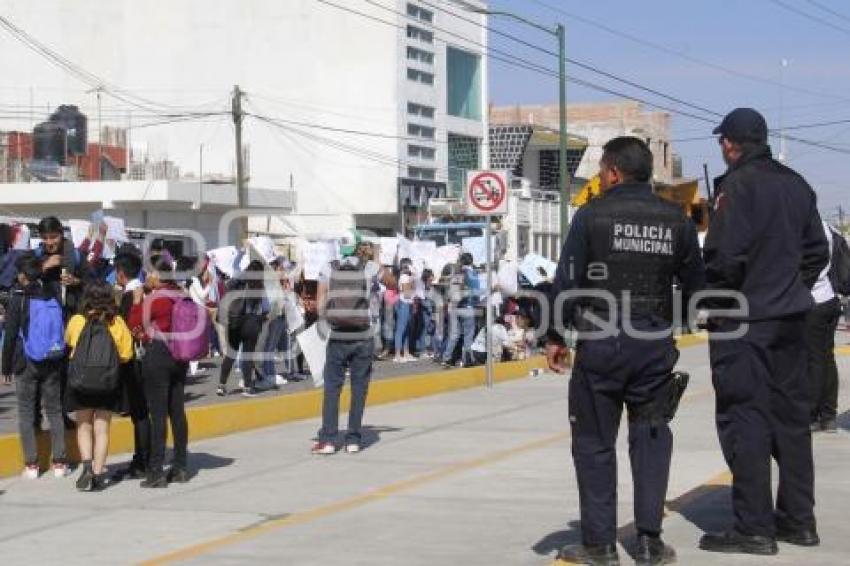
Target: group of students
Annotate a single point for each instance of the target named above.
(80, 345)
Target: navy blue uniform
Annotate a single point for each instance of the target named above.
(765, 241)
(629, 245)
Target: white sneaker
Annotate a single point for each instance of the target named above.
(352, 448)
(323, 448)
(280, 380)
(241, 384)
(193, 368)
(30, 473)
(399, 360)
(408, 358)
(61, 470)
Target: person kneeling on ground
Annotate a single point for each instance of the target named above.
(99, 341)
(499, 342)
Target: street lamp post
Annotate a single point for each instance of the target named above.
(561, 34)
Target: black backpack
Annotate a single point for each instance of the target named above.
(94, 368)
(347, 307)
(839, 268)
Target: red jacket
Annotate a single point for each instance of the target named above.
(158, 306)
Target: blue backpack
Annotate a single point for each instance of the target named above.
(44, 339)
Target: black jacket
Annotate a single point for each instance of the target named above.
(765, 238)
(17, 318)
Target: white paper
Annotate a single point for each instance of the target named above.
(264, 247)
(441, 257)
(294, 317)
(389, 248)
(223, 259)
(507, 277)
(115, 229)
(478, 248)
(315, 349)
(21, 239)
(405, 248)
(531, 265)
(79, 231)
(316, 256)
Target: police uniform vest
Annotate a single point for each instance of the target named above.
(638, 238)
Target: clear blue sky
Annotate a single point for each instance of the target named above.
(747, 36)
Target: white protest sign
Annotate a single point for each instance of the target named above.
(115, 229)
(507, 277)
(441, 257)
(389, 248)
(316, 256)
(315, 349)
(224, 259)
(79, 231)
(405, 248)
(264, 247)
(531, 268)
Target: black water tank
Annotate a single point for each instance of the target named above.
(76, 124)
(49, 142)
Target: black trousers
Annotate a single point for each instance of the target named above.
(820, 345)
(609, 373)
(164, 381)
(137, 407)
(763, 411)
(244, 331)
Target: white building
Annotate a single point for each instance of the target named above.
(363, 108)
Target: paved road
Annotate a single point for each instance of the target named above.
(474, 477)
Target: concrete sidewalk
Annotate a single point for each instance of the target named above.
(471, 477)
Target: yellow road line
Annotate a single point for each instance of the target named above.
(353, 502)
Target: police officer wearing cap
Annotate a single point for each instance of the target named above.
(766, 243)
(616, 272)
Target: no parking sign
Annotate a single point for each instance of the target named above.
(487, 192)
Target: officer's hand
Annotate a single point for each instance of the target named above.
(556, 357)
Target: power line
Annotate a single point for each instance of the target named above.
(685, 56)
(829, 10)
(809, 16)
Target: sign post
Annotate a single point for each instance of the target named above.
(487, 196)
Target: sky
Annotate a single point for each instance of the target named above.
(744, 37)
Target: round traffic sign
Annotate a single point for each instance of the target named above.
(487, 192)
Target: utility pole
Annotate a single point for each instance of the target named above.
(99, 138)
(561, 32)
(841, 219)
(238, 115)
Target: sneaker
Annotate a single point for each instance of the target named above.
(84, 482)
(154, 481)
(447, 365)
(99, 482)
(280, 380)
(409, 358)
(61, 470)
(241, 384)
(250, 392)
(221, 391)
(323, 448)
(399, 360)
(193, 368)
(177, 475)
(30, 472)
(352, 447)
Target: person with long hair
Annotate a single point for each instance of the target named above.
(94, 411)
(164, 377)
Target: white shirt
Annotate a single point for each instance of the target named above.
(823, 291)
(405, 288)
(498, 341)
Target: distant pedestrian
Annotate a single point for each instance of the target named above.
(766, 243)
(99, 343)
(34, 351)
(462, 312)
(351, 346)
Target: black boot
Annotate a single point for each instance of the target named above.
(155, 480)
(99, 482)
(651, 551)
(177, 474)
(798, 537)
(733, 542)
(590, 555)
(84, 482)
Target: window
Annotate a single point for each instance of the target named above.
(463, 78)
(420, 110)
(464, 155)
(421, 131)
(422, 35)
(416, 54)
(421, 152)
(420, 14)
(420, 76)
(421, 173)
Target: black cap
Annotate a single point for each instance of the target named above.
(743, 125)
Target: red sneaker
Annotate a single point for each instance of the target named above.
(323, 448)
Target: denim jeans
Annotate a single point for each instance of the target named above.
(357, 356)
(402, 325)
(461, 324)
(275, 334)
(45, 377)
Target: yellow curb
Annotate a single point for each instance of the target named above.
(688, 340)
(842, 351)
(220, 419)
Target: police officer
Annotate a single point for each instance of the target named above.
(766, 243)
(623, 252)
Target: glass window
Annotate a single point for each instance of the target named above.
(421, 152)
(420, 110)
(425, 36)
(421, 131)
(422, 173)
(416, 54)
(463, 77)
(420, 76)
(420, 13)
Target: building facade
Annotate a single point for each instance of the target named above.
(361, 108)
(598, 123)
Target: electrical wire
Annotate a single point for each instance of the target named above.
(808, 16)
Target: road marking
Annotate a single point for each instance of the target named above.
(315, 513)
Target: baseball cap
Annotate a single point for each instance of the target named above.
(743, 125)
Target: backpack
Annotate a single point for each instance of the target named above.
(44, 339)
(189, 340)
(347, 308)
(839, 268)
(94, 369)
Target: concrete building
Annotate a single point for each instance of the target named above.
(367, 109)
(598, 123)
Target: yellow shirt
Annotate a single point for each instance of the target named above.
(118, 329)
